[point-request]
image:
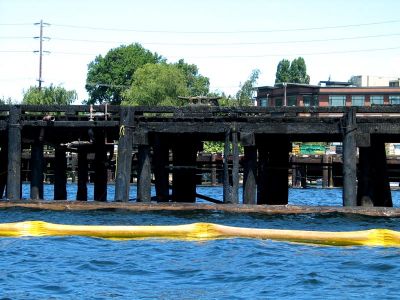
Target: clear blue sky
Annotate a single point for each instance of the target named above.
(226, 39)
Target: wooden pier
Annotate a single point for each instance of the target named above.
(166, 141)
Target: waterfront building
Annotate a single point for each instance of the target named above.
(327, 93)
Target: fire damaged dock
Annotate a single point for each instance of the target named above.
(164, 143)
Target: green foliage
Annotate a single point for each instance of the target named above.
(218, 147)
(197, 84)
(213, 147)
(282, 71)
(49, 95)
(4, 100)
(110, 76)
(298, 71)
(245, 95)
(157, 84)
(294, 72)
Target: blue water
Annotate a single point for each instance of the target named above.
(309, 196)
(89, 268)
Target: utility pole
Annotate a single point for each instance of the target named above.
(40, 51)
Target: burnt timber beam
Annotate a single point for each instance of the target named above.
(14, 154)
(124, 156)
(160, 164)
(37, 167)
(60, 174)
(232, 208)
(349, 159)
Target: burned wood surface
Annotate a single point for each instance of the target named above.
(174, 206)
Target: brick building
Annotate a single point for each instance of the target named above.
(328, 93)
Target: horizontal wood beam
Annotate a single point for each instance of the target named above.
(233, 208)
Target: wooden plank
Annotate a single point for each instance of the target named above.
(232, 208)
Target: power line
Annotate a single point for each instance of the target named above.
(235, 43)
(15, 24)
(233, 56)
(227, 32)
(15, 37)
(299, 54)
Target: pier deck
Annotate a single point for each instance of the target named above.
(166, 141)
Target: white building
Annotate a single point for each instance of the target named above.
(370, 81)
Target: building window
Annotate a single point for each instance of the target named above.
(278, 102)
(292, 101)
(263, 102)
(310, 100)
(394, 99)
(376, 100)
(337, 100)
(357, 100)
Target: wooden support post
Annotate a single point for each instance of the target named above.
(37, 170)
(144, 174)
(275, 171)
(350, 159)
(325, 171)
(235, 167)
(262, 173)
(303, 176)
(161, 173)
(227, 189)
(213, 170)
(124, 158)
(81, 194)
(100, 161)
(373, 182)
(365, 178)
(250, 174)
(184, 174)
(14, 154)
(331, 184)
(247, 139)
(60, 174)
(3, 168)
(383, 193)
(295, 177)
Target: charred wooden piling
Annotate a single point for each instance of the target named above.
(160, 145)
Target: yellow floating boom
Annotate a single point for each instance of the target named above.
(203, 231)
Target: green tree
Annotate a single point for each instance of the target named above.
(49, 95)
(197, 84)
(157, 84)
(294, 72)
(298, 71)
(4, 100)
(110, 76)
(282, 71)
(245, 95)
